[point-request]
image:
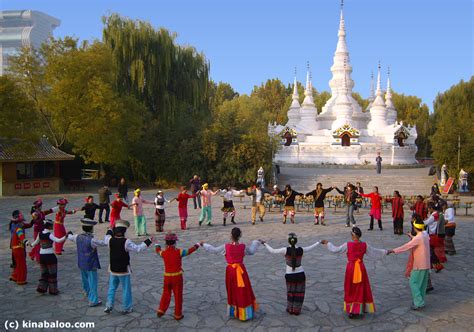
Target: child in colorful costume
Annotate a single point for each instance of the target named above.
(88, 259)
(59, 228)
(173, 276)
(241, 302)
(357, 292)
(48, 260)
(119, 266)
(182, 199)
(419, 262)
(295, 276)
(18, 243)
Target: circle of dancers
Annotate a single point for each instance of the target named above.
(431, 238)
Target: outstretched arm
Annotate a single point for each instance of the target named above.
(274, 251)
(334, 249)
(252, 249)
(130, 246)
(340, 191)
(187, 252)
(376, 253)
(214, 250)
(311, 247)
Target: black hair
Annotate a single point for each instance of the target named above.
(48, 225)
(287, 187)
(420, 197)
(89, 197)
(292, 240)
(397, 193)
(33, 209)
(236, 233)
(376, 188)
(87, 229)
(16, 213)
(170, 242)
(119, 231)
(319, 184)
(431, 205)
(357, 231)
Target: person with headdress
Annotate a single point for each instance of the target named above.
(350, 200)
(289, 196)
(206, 204)
(160, 214)
(450, 230)
(319, 195)
(59, 228)
(228, 208)
(48, 261)
(397, 212)
(88, 259)
(18, 243)
(419, 261)
(173, 275)
(138, 214)
(376, 207)
(89, 208)
(295, 276)
(182, 200)
(119, 264)
(258, 197)
(241, 302)
(357, 291)
(38, 215)
(117, 206)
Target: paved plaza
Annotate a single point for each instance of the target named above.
(449, 307)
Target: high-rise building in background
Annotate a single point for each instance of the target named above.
(20, 28)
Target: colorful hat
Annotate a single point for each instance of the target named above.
(122, 223)
(137, 191)
(171, 237)
(159, 192)
(418, 223)
(117, 195)
(48, 222)
(205, 185)
(88, 222)
(62, 201)
(38, 203)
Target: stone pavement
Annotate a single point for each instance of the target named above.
(449, 307)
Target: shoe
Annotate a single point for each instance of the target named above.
(95, 304)
(232, 221)
(316, 223)
(200, 223)
(352, 316)
(126, 311)
(159, 314)
(261, 219)
(347, 225)
(101, 222)
(370, 229)
(429, 289)
(253, 222)
(353, 225)
(414, 307)
(381, 229)
(209, 224)
(179, 318)
(322, 223)
(108, 310)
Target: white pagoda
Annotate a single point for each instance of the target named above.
(342, 133)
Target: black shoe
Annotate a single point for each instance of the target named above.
(261, 219)
(223, 223)
(101, 222)
(232, 221)
(429, 289)
(381, 229)
(352, 316)
(370, 229)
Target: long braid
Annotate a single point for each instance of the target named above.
(293, 255)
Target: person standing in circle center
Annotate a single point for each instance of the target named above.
(241, 302)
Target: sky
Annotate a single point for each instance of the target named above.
(428, 44)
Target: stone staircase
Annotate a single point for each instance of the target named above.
(410, 181)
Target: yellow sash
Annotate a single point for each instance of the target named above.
(240, 273)
(357, 278)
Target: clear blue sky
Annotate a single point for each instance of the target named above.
(427, 43)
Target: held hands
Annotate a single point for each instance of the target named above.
(261, 241)
(390, 252)
(201, 243)
(325, 242)
(70, 233)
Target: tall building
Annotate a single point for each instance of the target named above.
(343, 133)
(23, 28)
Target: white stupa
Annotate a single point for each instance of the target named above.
(342, 133)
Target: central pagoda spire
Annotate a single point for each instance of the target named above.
(341, 62)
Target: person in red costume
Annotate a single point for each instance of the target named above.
(376, 209)
(18, 244)
(357, 292)
(38, 215)
(59, 228)
(173, 276)
(117, 206)
(182, 199)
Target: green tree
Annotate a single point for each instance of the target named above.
(274, 96)
(454, 116)
(411, 110)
